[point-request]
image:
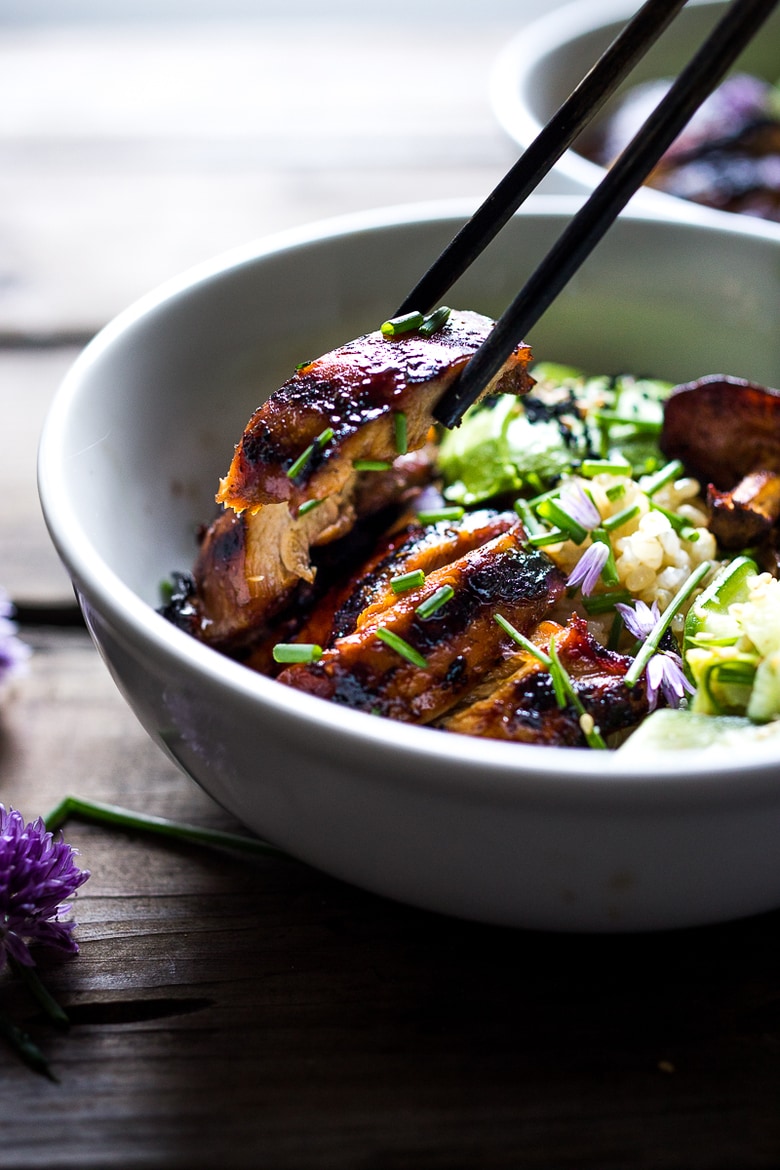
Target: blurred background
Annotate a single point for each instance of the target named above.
(138, 137)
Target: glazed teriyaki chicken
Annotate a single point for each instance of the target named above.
(502, 580)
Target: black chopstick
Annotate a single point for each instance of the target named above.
(730, 36)
(582, 105)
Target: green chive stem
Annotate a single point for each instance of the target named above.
(542, 539)
(552, 511)
(297, 467)
(371, 465)
(609, 574)
(434, 603)
(25, 1048)
(297, 652)
(666, 474)
(434, 321)
(604, 602)
(620, 518)
(110, 814)
(615, 491)
(405, 581)
(434, 515)
(521, 639)
(309, 506)
(593, 737)
(401, 647)
(652, 641)
(400, 431)
(590, 468)
(403, 324)
(32, 981)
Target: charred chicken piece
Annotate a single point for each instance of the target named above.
(521, 706)
(451, 650)
(352, 396)
(415, 547)
(306, 446)
(727, 432)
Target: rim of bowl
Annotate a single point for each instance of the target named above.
(528, 48)
(503, 766)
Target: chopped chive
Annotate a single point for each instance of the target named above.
(401, 438)
(641, 426)
(542, 539)
(433, 603)
(434, 515)
(651, 642)
(681, 526)
(405, 581)
(564, 686)
(526, 514)
(296, 652)
(404, 324)
(309, 506)
(551, 510)
(434, 321)
(521, 639)
(371, 465)
(615, 492)
(401, 647)
(620, 518)
(665, 475)
(297, 467)
(322, 438)
(604, 602)
(304, 365)
(593, 467)
(615, 630)
(609, 574)
(550, 494)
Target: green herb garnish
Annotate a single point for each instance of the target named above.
(433, 603)
(288, 652)
(405, 581)
(401, 647)
(403, 324)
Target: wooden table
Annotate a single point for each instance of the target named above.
(228, 1013)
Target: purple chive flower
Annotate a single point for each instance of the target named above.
(37, 873)
(13, 653)
(588, 569)
(665, 673)
(639, 620)
(579, 506)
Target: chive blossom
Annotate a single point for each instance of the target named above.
(403, 324)
(288, 652)
(404, 581)
(401, 647)
(433, 603)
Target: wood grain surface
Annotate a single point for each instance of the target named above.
(233, 1013)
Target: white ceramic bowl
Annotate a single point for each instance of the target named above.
(542, 64)
(145, 423)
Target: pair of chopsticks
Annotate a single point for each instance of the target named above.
(699, 78)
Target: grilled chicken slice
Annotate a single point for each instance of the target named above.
(454, 648)
(522, 706)
(342, 407)
(410, 549)
(250, 564)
